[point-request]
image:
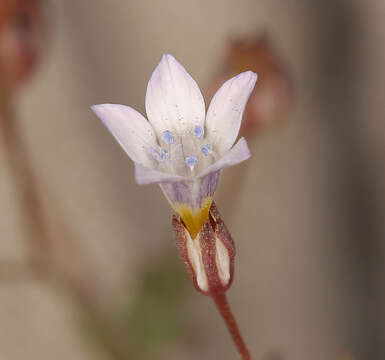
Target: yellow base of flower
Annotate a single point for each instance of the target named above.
(194, 218)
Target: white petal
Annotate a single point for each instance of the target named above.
(173, 99)
(240, 152)
(132, 131)
(225, 112)
(145, 176)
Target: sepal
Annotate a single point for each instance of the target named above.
(209, 257)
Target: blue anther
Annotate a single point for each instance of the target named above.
(206, 149)
(198, 131)
(191, 161)
(168, 137)
(154, 152)
(158, 155)
(163, 154)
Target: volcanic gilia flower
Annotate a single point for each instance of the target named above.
(181, 147)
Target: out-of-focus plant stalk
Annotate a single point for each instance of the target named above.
(40, 261)
(25, 180)
(22, 33)
(22, 39)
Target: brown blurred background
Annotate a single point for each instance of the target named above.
(306, 211)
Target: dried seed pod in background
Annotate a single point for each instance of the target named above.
(22, 38)
(273, 96)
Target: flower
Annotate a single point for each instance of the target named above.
(179, 146)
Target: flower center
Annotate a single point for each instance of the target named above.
(186, 155)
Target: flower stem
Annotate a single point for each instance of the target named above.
(227, 315)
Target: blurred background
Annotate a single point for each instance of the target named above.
(88, 266)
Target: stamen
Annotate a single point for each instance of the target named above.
(163, 154)
(191, 161)
(206, 149)
(198, 131)
(154, 152)
(168, 137)
(158, 155)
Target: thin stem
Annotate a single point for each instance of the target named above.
(227, 315)
(24, 178)
(40, 262)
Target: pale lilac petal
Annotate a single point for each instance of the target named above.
(145, 176)
(191, 193)
(174, 102)
(192, 200)
(225, 112)
(240, 152)
(132, 131)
